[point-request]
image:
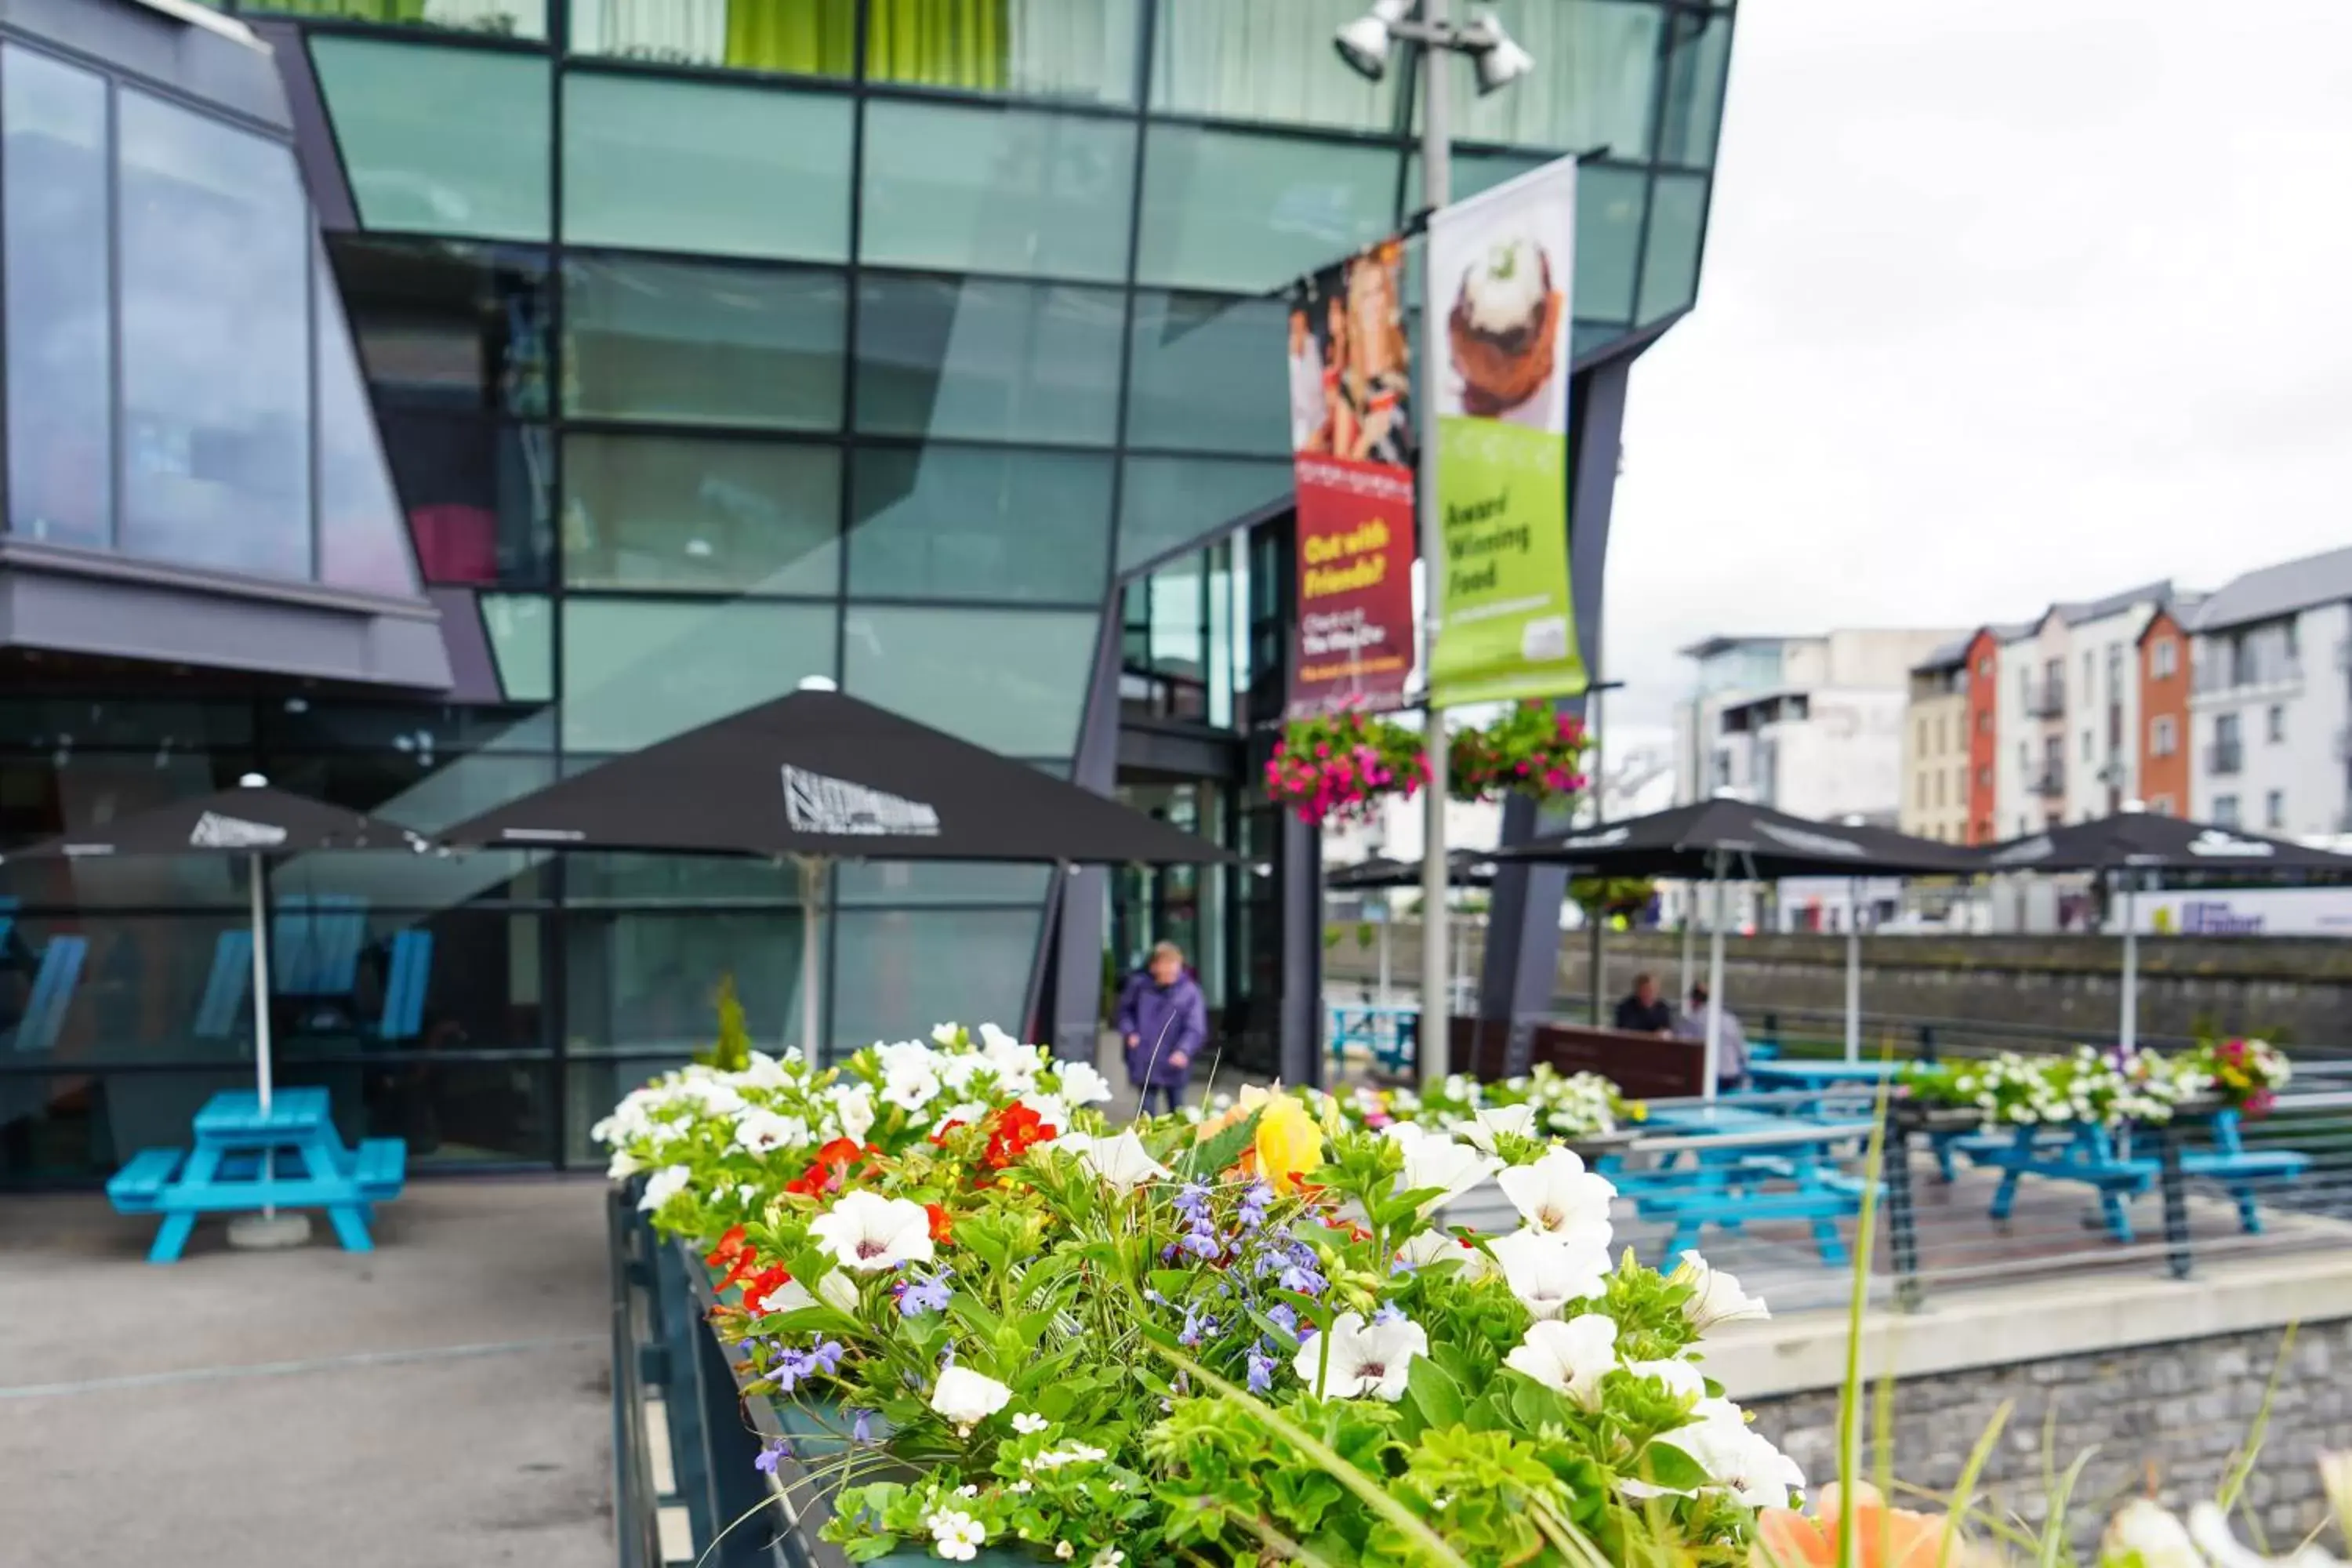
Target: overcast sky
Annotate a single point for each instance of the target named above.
(2004, 300)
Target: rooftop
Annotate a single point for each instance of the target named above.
(2280, 590)
(2115, 603)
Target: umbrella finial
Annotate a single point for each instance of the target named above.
(253, 781)
(819, 683)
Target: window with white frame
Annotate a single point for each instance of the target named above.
(2275, 809)
(2275, 723)
(2163, 736)
(2163, 658)
(2225, 810)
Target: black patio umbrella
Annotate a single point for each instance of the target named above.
(1725, 840)
(2139, 840)
(817, 776)
(253, 821)
(1463, 868)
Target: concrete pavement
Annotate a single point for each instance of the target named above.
(444, 1400)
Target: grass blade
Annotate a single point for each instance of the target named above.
(1964, 1495)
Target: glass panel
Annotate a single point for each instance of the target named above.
(989, 361)
(993, 190)
(899, 971)
(695, 165)
(1245, 60)
(1609, 200)
(798, 37)
(644, 981)
(704, 344)
(1694, 85)
(697, 880)
(961, 522)
(439, 141)
(448, 326)
(724, 516)
(1670, 266)
(1021, 701)
(475, 494)
(522, 628)
(1223, 209)
(639, 671)
(937, 882)
(363, 541)
(53, 179)
(1596, 61)
(1165, 503)
(215, 349)
(1045, 49)
(496, 18)
(1204, 372)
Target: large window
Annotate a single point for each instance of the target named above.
(1595, 62)
(1224, 209)
(1013, 681)
(899, 971)
(795, 38)
(1053, 49)
(1165, 503)
(53, 194)
(720, 516)
(1198, 373)
(439, 141)
(987, 190)
(1245, 60)
(361, 543)
(449, 326)
(689, 165)
(492, 18)
(977, 523)
(704, 344)
(640, 670)
(215, 251)
(987, 360)
(476, 495)
(1670, 267)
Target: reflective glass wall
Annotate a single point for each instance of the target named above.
(715, 343)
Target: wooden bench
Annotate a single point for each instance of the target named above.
(2087, 1154)
(139, 1186)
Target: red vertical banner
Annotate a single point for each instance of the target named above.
(1352, 436)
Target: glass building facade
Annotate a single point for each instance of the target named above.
(676, 353)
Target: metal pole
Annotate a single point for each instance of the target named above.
(1437, 189)
(2130, 1031)
(812, 916)
(1388, 915)
(263, 1074)
(1853, 969)
(1690, 934)
(1715, 983)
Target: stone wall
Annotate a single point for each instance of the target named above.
(2167, 1417)
(2296, 989)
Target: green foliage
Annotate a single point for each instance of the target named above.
(1627, 896)
(731, 1052)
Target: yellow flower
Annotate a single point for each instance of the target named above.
(1289, 1144)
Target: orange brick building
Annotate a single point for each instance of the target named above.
(1984, 731)
(2164, 710)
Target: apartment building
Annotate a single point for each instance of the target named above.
(2067, 710)
(1813, 725)
(1935, 747)
(2162, 732)
(2270, 705)
(1981, 696)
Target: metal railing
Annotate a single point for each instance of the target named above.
(2045, 698)
(2223, 674)
(2050, 779)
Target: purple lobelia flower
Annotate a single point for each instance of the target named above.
(920, 1296)
(1261, 1370)
(771, 1453)
(861, 1430)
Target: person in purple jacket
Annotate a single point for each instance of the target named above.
(1164, 1023)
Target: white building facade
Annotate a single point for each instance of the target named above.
(2102, 705)
(2271, 707)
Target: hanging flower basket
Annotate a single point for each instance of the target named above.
(1341, 765)
(1531, 751)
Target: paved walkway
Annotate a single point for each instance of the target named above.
(443, 1400)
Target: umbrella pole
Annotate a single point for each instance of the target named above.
(1690, 935)
(1854, 970)
(2130, 1032)
(263, 1075)
(1714, 985)
(812, 916)
(1388, 914)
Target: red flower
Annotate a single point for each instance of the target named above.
(760, 1286)
(942, 1232)
(830, 1169)
(1013, 1131)
(940, 1138)
(728, 1245)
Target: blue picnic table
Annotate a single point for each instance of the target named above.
(1798, 1178)
(1391, 1034)
(246, 1158)
(2091, 1154)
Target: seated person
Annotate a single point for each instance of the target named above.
(1644, 1011)
(1730, 1046)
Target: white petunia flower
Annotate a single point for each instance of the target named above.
(1108, 1557)
(910, 1088)
(853, 1109)
(1076, 1454)
(1440, 1162)
(1680, 1377)
(835, 1290)
(663, 1185)
(2150, 1532)
(760, 1131)
(1433, 1246)
(1547, 1272)
(966, 1397)
(1051, 1109)
(1123, 1161)
(623, 1164)
(2210, 1528)
(1517, 1120)
(1081, 1084)
(1571, 1357)
(1029, 1422)
(1738, 1458)
(1715, 1297)
(1559, 1197)
(1367, 1359)
(867, 1231)
(947, 1034)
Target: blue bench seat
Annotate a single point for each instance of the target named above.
(139, 1186)
(381, 1168)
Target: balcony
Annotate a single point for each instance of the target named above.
(2224, 674)
(2051, 780)
(2225, 759)
(2047, 697)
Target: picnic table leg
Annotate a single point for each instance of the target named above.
(2250, 1215)
(350, 1220)
(2117, 1213)
(171, 1235)
(1942, 1144)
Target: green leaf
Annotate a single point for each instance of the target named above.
(1220, 1152)
(1432, 1392)
(1662, 1464)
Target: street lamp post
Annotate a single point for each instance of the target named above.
(1365, 44)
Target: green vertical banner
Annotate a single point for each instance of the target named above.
(1501, 266)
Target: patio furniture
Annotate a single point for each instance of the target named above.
(1388, 1033)
(248, 1158)
(2088, 1153)
(2240, 1170)
(1727, 1187)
